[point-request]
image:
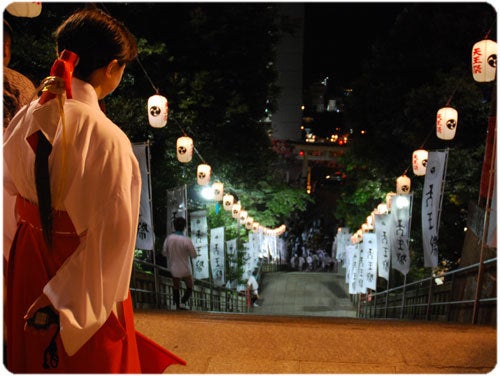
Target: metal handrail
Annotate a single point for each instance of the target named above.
(405, 299)
(160, 294)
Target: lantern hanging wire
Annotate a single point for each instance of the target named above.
(157, 91)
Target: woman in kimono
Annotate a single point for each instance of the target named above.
(77, 184)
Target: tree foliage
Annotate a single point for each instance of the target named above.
(422, 66)
(215, 64)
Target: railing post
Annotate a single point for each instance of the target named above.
(429, 300)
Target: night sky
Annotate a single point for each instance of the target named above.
(338, 36)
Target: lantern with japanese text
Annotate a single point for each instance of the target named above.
(218, 189)
(446, 123)
(248, 223)
(184, 149)
(235, 210)
(403, 185)
(203, 174)
(157, 111)
(484, 60)
(28, 9)
(227, 202)
(243, 217)
(419, 161)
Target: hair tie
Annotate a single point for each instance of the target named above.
(62, 68)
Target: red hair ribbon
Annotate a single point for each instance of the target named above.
(63, 67)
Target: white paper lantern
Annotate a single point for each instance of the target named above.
(218, 189)
(25, 9)
(255, 226)
(227, 202)
(249, 223)
(203, 174)
(388, 199)
(235, 210)
(419, 161)
(403, 185)
(446, 123)
(157, 111)
(243, 217)
(484, 61)
(184, 149)
(382, 208)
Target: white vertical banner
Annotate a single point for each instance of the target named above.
(199, 237)
(400, 232)
(431, 205)
(232, 256)
(145, 235)
(342, 240)
(382, 232)
(361, 283)
(370, 252)
(217, 259)
(282, 250)
(248, 262)
(353, 268)
(176, 206)
(349, 251)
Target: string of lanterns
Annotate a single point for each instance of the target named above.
(484, 64)
(157, 109)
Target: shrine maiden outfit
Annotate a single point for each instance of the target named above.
(87, 272)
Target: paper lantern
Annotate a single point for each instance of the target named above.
(235, 210)
(249, 223)
(228, 201)
(388, 199)
(403, 185)
(184, 149)
(218, 189)
(446, 123)
(243, 217)
(203, 174)
(484, 61)
(157, 111)
(25, 9)
(382, 208)
(419, 161)
(255, 226)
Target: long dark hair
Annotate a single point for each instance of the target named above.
(97, 38)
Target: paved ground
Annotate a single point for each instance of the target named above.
(298, 330)
(232, 343)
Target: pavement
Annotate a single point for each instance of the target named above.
(296, 331)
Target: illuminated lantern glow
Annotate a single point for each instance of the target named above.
(28, 9)
(184, 148)
(227, 202)
(203, 174)
(364, 227)
(255, 227)
(388, 199)
(419, 161)
(403, 185)
(484, 61)
(235, 210)
(243, 217)
(249, 223)
(157, 111)
(218, 189)
(382, 208)
(446, 123)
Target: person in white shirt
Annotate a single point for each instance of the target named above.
(179, 249)
(77, 187)
(253, 286)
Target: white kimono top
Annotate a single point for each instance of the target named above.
(101, 194)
